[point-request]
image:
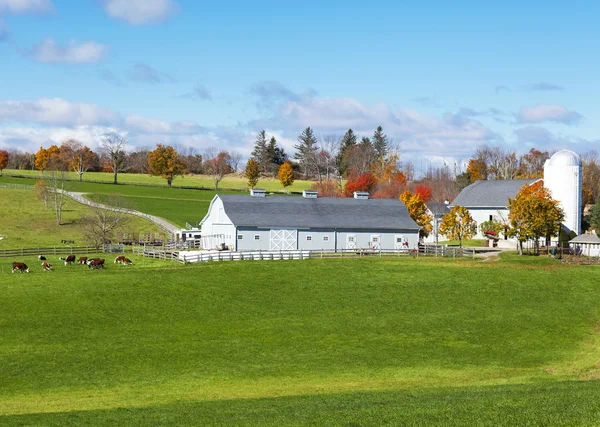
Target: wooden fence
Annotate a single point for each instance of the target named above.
(63, 250)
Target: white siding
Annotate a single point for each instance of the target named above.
(216, 222)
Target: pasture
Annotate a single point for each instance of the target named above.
(322, 342)
(26, 223)
(231, 181)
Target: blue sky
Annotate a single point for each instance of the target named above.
(441, 77)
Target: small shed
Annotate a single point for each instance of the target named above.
(586, 244)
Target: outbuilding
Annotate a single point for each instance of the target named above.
(244, 223)
(586, 244)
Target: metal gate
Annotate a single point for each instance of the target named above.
(283, 240)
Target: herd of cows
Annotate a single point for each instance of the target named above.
(94, 263)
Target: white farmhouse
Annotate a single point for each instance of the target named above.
(257, 222)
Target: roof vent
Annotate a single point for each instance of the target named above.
(309, 194)
(258, 192)
(361, 195)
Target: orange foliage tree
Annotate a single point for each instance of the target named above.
(391, 189)
(286, 174)
(365, 182)
(327, 188)
(3, 160)
(41, 159)
(423, 192)
(164, 161)
(533, 214)
(477, 170)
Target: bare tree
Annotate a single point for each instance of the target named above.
(235, 157)
(100, 224)
(56, 187)
(113, 146)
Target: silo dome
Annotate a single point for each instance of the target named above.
(564, 158)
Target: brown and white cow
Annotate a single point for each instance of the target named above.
(20, 267)
(68, 260)
(82, 260)
(127, 261)
(120, 259)
(96, 263)
(41, 257)
(46, 266)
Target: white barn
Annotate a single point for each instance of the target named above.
(246, 223)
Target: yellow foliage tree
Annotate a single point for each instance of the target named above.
(286, 174)
(418, 211)
(41, 159)
(476, 170)
(385, 168)
(164, 161)
(458, 224)
(533, 214)
(252, 172)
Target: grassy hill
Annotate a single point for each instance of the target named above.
(25, 222)
(322, 342)
(235, 181)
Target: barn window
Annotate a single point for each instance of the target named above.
(240, 237)
(491, 217)
(257, 237)
(326, 238)
(351, 238)
(398, 239)
(375, 239)
(308, 238)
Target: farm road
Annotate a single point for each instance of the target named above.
(163, 224)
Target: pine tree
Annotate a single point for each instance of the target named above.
(348, 141)
(380, 142)
(260, 152)
(306, 150)
(275, 154)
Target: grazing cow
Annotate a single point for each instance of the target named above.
(127, 261)
(120, 259)
(82, 260)
(41, 257)
(46, 266)
(68, 260)
(96, 263)
(20, 267)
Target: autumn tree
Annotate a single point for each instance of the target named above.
(41, 159)
(113, 147)
(476, 170)
(364, 182)
(590, 177)
(418, 212)
(532, 164)
(78, 157)
(217, 165)
(533, 214)
(595, 215)
(458, 224)
(165, 162)
(3, 160)
(286, 174)
(327, 188)
(252, 172)
(423, 192)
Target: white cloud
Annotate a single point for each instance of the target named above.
(27, 6)
(548, 113)
(48, 51)
(56, 111)
(140, 12)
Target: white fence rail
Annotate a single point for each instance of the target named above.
(243, 256)
(66, 250)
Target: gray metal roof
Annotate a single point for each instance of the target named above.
(300, 212)
(438, 209)
(492, 194)
(586, 238)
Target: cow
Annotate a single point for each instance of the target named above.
(96, 263)
(41, 257)
(46, 266)
(127, 261)
(120, 259)
(68, 260)
(82, 260)
(20, 267)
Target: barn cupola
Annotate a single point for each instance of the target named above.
(309, 194)
(258, 192)
(361, 195)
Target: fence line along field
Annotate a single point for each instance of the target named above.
(232, 181)
(322, 342)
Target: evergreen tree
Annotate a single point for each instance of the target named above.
(276, 155)
(306, 150)
(595, 216)
(348, 141)
(380, 142)
(260, 152)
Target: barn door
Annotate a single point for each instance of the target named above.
(351, 241)
(283, 240)
(400, 242)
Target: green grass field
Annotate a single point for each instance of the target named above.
(233, 181)
(26, 223)
(318, 342)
